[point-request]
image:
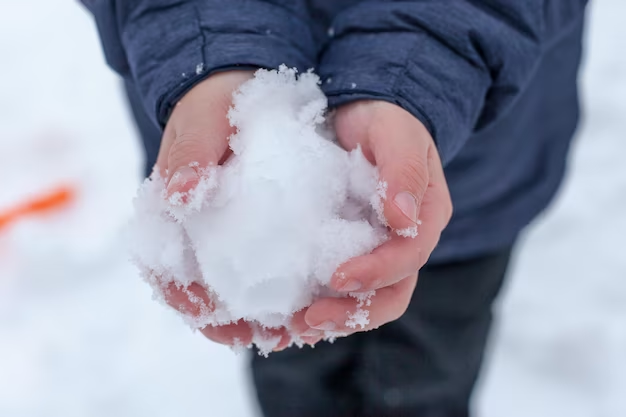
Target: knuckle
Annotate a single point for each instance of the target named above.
(424, 256)
(399, 311)
(403, 292)
(376, 272)
(449, 210)
(184, 145)
(214, 334)
(415, 261)
(413, 171)
(190, 147)
(189, 140)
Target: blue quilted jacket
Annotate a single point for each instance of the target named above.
(494, 81)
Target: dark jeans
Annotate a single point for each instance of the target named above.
(423, 365)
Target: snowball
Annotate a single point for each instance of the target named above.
(265, 231)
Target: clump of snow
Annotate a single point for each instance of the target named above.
(182, 205)
(265, 231)
(361, 316)
(377, 200)
(408, 232)
(238, 347)
(264, 339)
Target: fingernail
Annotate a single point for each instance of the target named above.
(327, 325)
(283, 344)
(312, 341)
(180, 178)
(312, 333)
(407, 203)
(350, 286)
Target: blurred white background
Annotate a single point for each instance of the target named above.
(80, 335)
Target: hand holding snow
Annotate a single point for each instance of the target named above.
(264, 232)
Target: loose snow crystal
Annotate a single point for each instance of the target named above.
(361, 316)
(408, 232)
(265, 231)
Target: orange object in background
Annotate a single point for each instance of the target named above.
(54, 200)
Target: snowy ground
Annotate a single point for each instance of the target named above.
(80, 336)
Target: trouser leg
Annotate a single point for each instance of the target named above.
(310, 382)
(423, 365)
(426, 363)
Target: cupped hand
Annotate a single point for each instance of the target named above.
(417, 196)
(196, 137)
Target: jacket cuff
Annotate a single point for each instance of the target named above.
(170, 51)
(413, 70)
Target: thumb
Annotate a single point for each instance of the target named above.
(197, 133)
(191, 151)
(400, 146)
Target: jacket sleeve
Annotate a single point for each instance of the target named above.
(165, 47)
(457, 65)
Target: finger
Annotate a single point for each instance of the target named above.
(400, 145)
(384, 266)
(281, 335)
(388, 304)
(235, 334)
(398, 257)
(435, 210)
(312, 340)
(197, 135)
(437, 200)
(299, 327)
(192, 300)
(285, 341)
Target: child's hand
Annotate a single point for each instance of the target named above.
(198, 129)
(408, 161)
(198, 132)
